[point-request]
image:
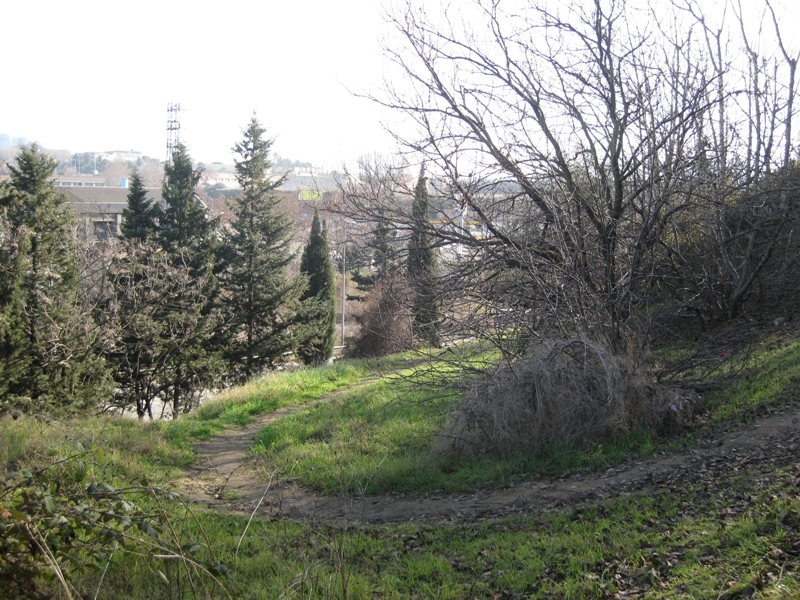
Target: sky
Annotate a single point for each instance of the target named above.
(95, 76)
(90, 75)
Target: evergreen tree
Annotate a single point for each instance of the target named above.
(160, 327)
(384, 253)
(46, 354)
(137, 275)
(184, 223)
(319, 311)
(141, 215)
(382, 259)
(189, 237)
(421, 267)
(12, 327)
(259, 297)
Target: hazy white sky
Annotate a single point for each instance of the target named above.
(97, 75)
(90, 75)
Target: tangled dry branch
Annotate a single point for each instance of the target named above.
(566, 391)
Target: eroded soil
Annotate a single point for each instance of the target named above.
(225, 478)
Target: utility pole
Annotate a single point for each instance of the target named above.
(344, 274)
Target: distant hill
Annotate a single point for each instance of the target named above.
(7, 141)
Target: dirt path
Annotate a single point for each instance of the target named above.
(224, 479)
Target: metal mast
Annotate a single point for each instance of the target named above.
(173, 128)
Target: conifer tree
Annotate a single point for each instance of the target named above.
(382, 256)
(160, 326)
(47, 358)
(135, 312)
(421, 267)
(12, 326)
(189, 237)
(259, 296)
(141, 215)
(184, 223)
(319, 311)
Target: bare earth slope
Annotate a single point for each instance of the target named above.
(224, 478)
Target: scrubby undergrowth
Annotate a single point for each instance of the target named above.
(564, 392)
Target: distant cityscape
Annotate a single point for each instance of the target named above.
(95, 183)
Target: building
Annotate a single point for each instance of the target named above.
(99, 209)
(79, 181)
(123, 155)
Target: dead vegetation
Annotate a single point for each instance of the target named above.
(564, 392)
(385, 321)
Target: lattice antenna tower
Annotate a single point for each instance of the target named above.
(173, 128)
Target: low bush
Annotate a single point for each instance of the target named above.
(564, 392)
(385, 321)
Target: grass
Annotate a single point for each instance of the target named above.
(738, 536)
(376, 438)
(696, 542)
(772, 378)
(130, 449)
(237, 407)
(381, 438)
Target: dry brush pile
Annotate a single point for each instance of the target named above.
(564, 392)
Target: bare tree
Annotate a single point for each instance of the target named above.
(561, 144)
(747, 184)
(114, 172)
(590, 164)
(587, 162)
(152, 174)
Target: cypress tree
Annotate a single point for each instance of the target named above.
(319, 310)
(48, 359)
(421, 267)
(259, 296)
(158, 316)
(141, 216)
(382, 257)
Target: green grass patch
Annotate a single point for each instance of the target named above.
(237, 406)
(376, 438)
(739, 536)
(772, 378)
(733, 536)
(383, 438)
(128, 449)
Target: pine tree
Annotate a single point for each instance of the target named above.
(189, 237)
(12, 326)
(421, 267)
(184, 222)
(319, 310)
(141, 215)
(139, 273)
(47, 354)
(259, 296)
